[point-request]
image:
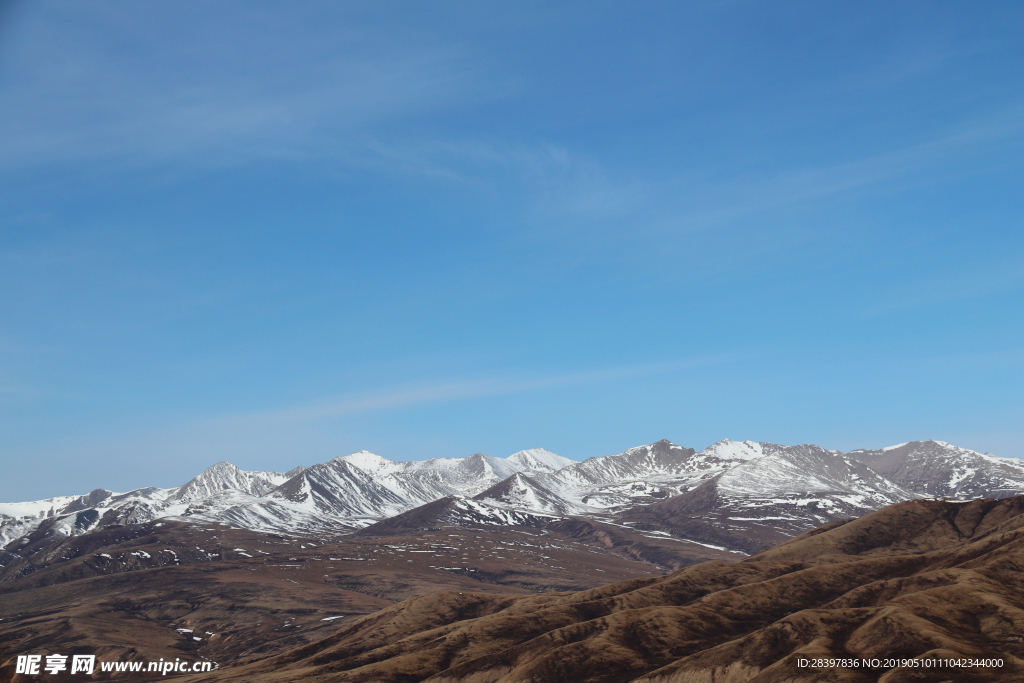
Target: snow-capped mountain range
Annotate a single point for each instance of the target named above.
(939, 469)
(348, 492)
(725, 493)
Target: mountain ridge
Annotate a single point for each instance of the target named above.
(759, 492)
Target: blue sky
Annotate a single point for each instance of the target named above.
(278, 234)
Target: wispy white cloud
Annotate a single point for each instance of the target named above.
(559, 181)
(580, 189)
(890, 171)
(395, 398)
(284, 436)
(77, 98)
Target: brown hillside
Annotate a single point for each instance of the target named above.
(920, 579)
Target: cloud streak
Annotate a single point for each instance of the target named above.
(396, 398)
(80, 100)
(261, 438)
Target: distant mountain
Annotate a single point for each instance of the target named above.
(522, 492)
(453, 511)
(539, 460)
(64, 516)
(361, 488)
(348, 492)
(643, 462)
(226, 477)
(646, 474)
(767, 499)
(939, 469)
(426, 480)
(731, 495)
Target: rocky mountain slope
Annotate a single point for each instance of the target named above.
(939, 469)
(522, 492)
(916, 583)
(768, 499)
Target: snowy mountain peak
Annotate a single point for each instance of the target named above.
(455, 511)
(937, 468)
(487, 465)
(218, 477)
(294, 471)
(221, 470)
(727, 449)
(809, 470)
(539, 460)
(224, 476)
(369, 462)
(522, 492)
(661, 455)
